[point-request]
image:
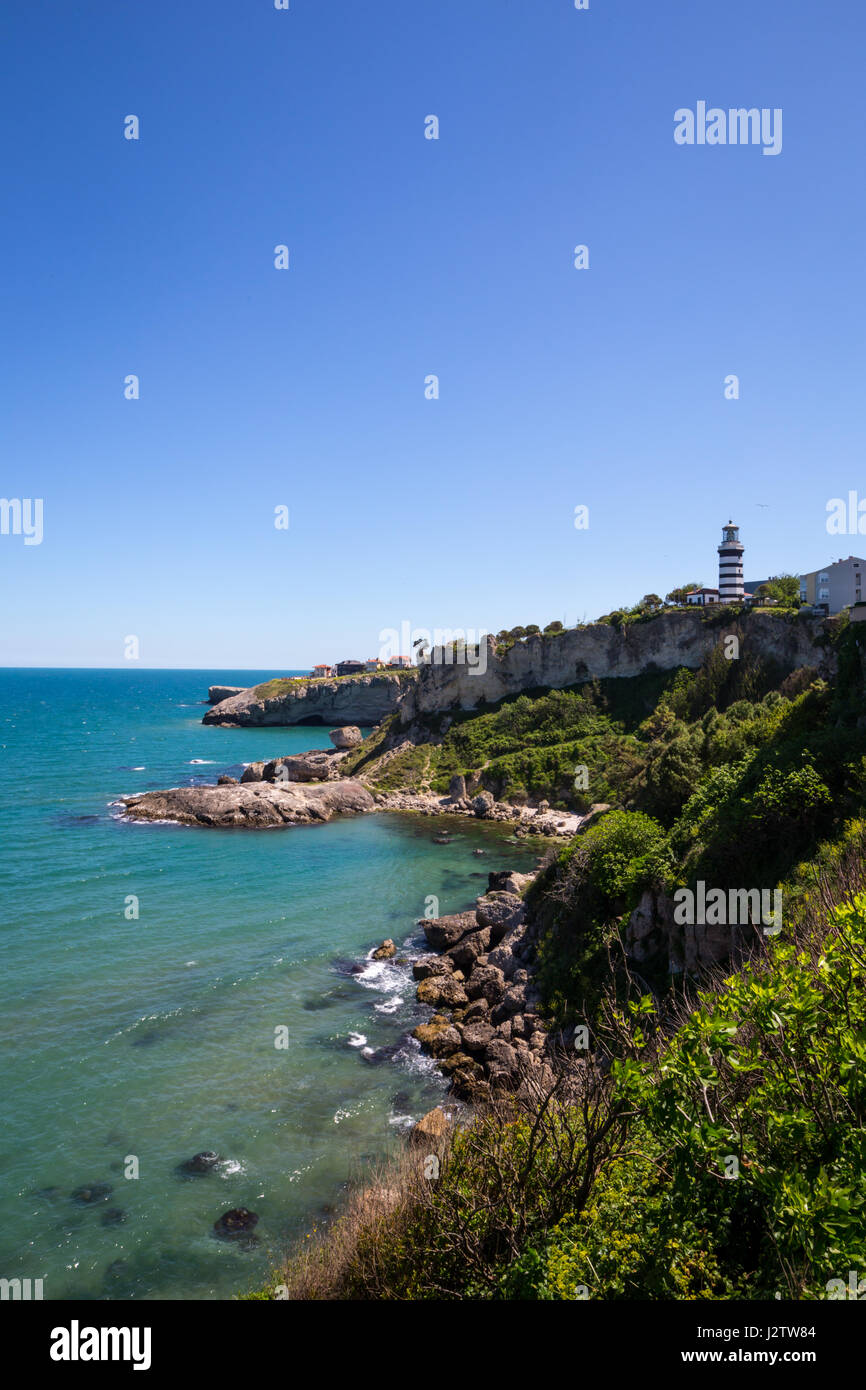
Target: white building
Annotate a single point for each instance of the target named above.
(702, 597)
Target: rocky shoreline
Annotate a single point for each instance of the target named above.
(527, 820)
(304, 788)
(485, 1032)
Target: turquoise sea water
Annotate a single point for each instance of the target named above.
(153, 1039)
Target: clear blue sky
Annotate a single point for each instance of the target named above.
(410, 257)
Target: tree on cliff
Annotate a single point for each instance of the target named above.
(784, 588)
(678, 595)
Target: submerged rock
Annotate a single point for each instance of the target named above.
(237, 1222)
(96, 1192)
(113, 1216)
(200, 1163)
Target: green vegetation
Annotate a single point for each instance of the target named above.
(281, 685)
(710, 1142)
(723, 1161)
(784, 589)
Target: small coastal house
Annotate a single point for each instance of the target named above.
(401, 662)
(349, 668)
(322, 670)
(374, 664)
(702, 597)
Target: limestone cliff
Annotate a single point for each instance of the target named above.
(364, 700)
(599, 650)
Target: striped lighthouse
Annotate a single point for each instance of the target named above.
(731, 586)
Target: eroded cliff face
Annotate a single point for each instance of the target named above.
(599, 651)
(365, 700)
(653, 938)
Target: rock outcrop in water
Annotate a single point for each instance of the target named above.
(351, 700)
(216, 693)
(256, 805)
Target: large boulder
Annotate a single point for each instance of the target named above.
(347, 737)
(385, 951)
(426, 966)
(503, 957)
(501, 1060)
(441, 991)
(432, 1129)
(317, 765)
(442, 932)
(440, 1039)
(478, 1011)
(500, 912)
(476, 1036)
(482, 805)
(507, 881)
(469, 948)
(486, 982)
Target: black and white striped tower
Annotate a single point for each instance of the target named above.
(731, 586)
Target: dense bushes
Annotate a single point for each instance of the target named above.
(579, 900)
(744, 1176)
(724, 1159)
